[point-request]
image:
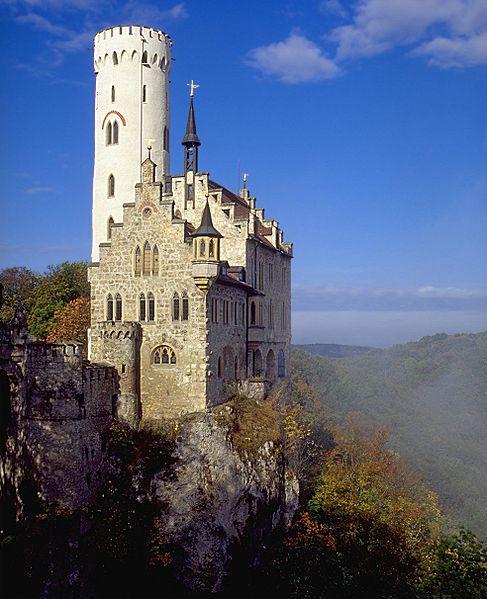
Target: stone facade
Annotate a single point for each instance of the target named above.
(231, 322)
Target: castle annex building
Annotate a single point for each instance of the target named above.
(190, 282)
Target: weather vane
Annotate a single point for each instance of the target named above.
(192, 86)
(245, 177)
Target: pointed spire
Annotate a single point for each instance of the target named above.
(191, 137)
(206, 228)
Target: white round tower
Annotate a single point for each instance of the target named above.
(132, 65)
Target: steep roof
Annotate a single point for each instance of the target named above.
(206, 228)
(191, 137)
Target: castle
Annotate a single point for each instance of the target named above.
(190, 294)
(190, 282)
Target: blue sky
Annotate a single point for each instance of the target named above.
(362, 124)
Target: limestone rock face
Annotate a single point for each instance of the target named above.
(218, 507)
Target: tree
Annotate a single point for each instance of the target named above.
(71, 323)
(366, 528)
(61, 284)
(18, 285)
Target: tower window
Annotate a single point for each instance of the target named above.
(108, 134)
(185, 311)
(118, 307)
(252, 313)
(146, 261)
(155, 261)
(144, 93)
(111, 186)
(202, 248)
(113, 93)
(145, 59)
(115, 133)
(109, 228)
(175, 307)
(142, 307)
(110, 307)
(211, 249)
(152, 307)
(138, 262)
(115, 58)
(164, 356)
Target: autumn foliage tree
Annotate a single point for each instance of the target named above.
(71, 323)
(365, 529)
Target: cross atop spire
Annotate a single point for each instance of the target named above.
(192, 86)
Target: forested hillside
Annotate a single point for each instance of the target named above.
(432, 394)
(334, 350)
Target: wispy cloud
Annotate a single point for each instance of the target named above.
(447, 33)
(328, 297)
(40, 189)
(8, 248)
(294, 60)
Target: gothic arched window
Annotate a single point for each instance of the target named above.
(138, 262)
(164, 356)
(109, 307)
(108, 134)
(202, 248)
(175, 307)
(146, 261)
(185, 307)
(115, 58)
(111, 186)
(145, 58)
(115, 133)
(152, 307)
(118, 307)
(142, 307)
(211, 249)
(155, 261)
(109, 228)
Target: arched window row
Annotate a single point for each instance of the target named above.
(147, 307)
(180, 306)
(114, 307)
(111, 133)
(227, 312)
(146, 260)
(164, 355)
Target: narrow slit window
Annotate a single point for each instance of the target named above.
(175, 307)
(152, 307)
(110, 307)
(115, 133)
(138, 262)
(109, 228)
(142, 307)
(111, 186)
(211, 249)
(118, 307)
(202, 248)
(145, 58)
(147, 257)
(113, 93)
(144, 93)
(115, 58)
(185, 311)
(109, 134)
(155, 261)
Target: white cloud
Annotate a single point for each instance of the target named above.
(380, 25)
(333, 7)
(294, 60)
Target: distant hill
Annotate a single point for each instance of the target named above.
(334, 350)
(432, 394)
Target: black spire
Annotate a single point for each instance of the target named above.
(206, 228)
(191, 141)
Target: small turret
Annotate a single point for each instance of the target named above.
(206, 261)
